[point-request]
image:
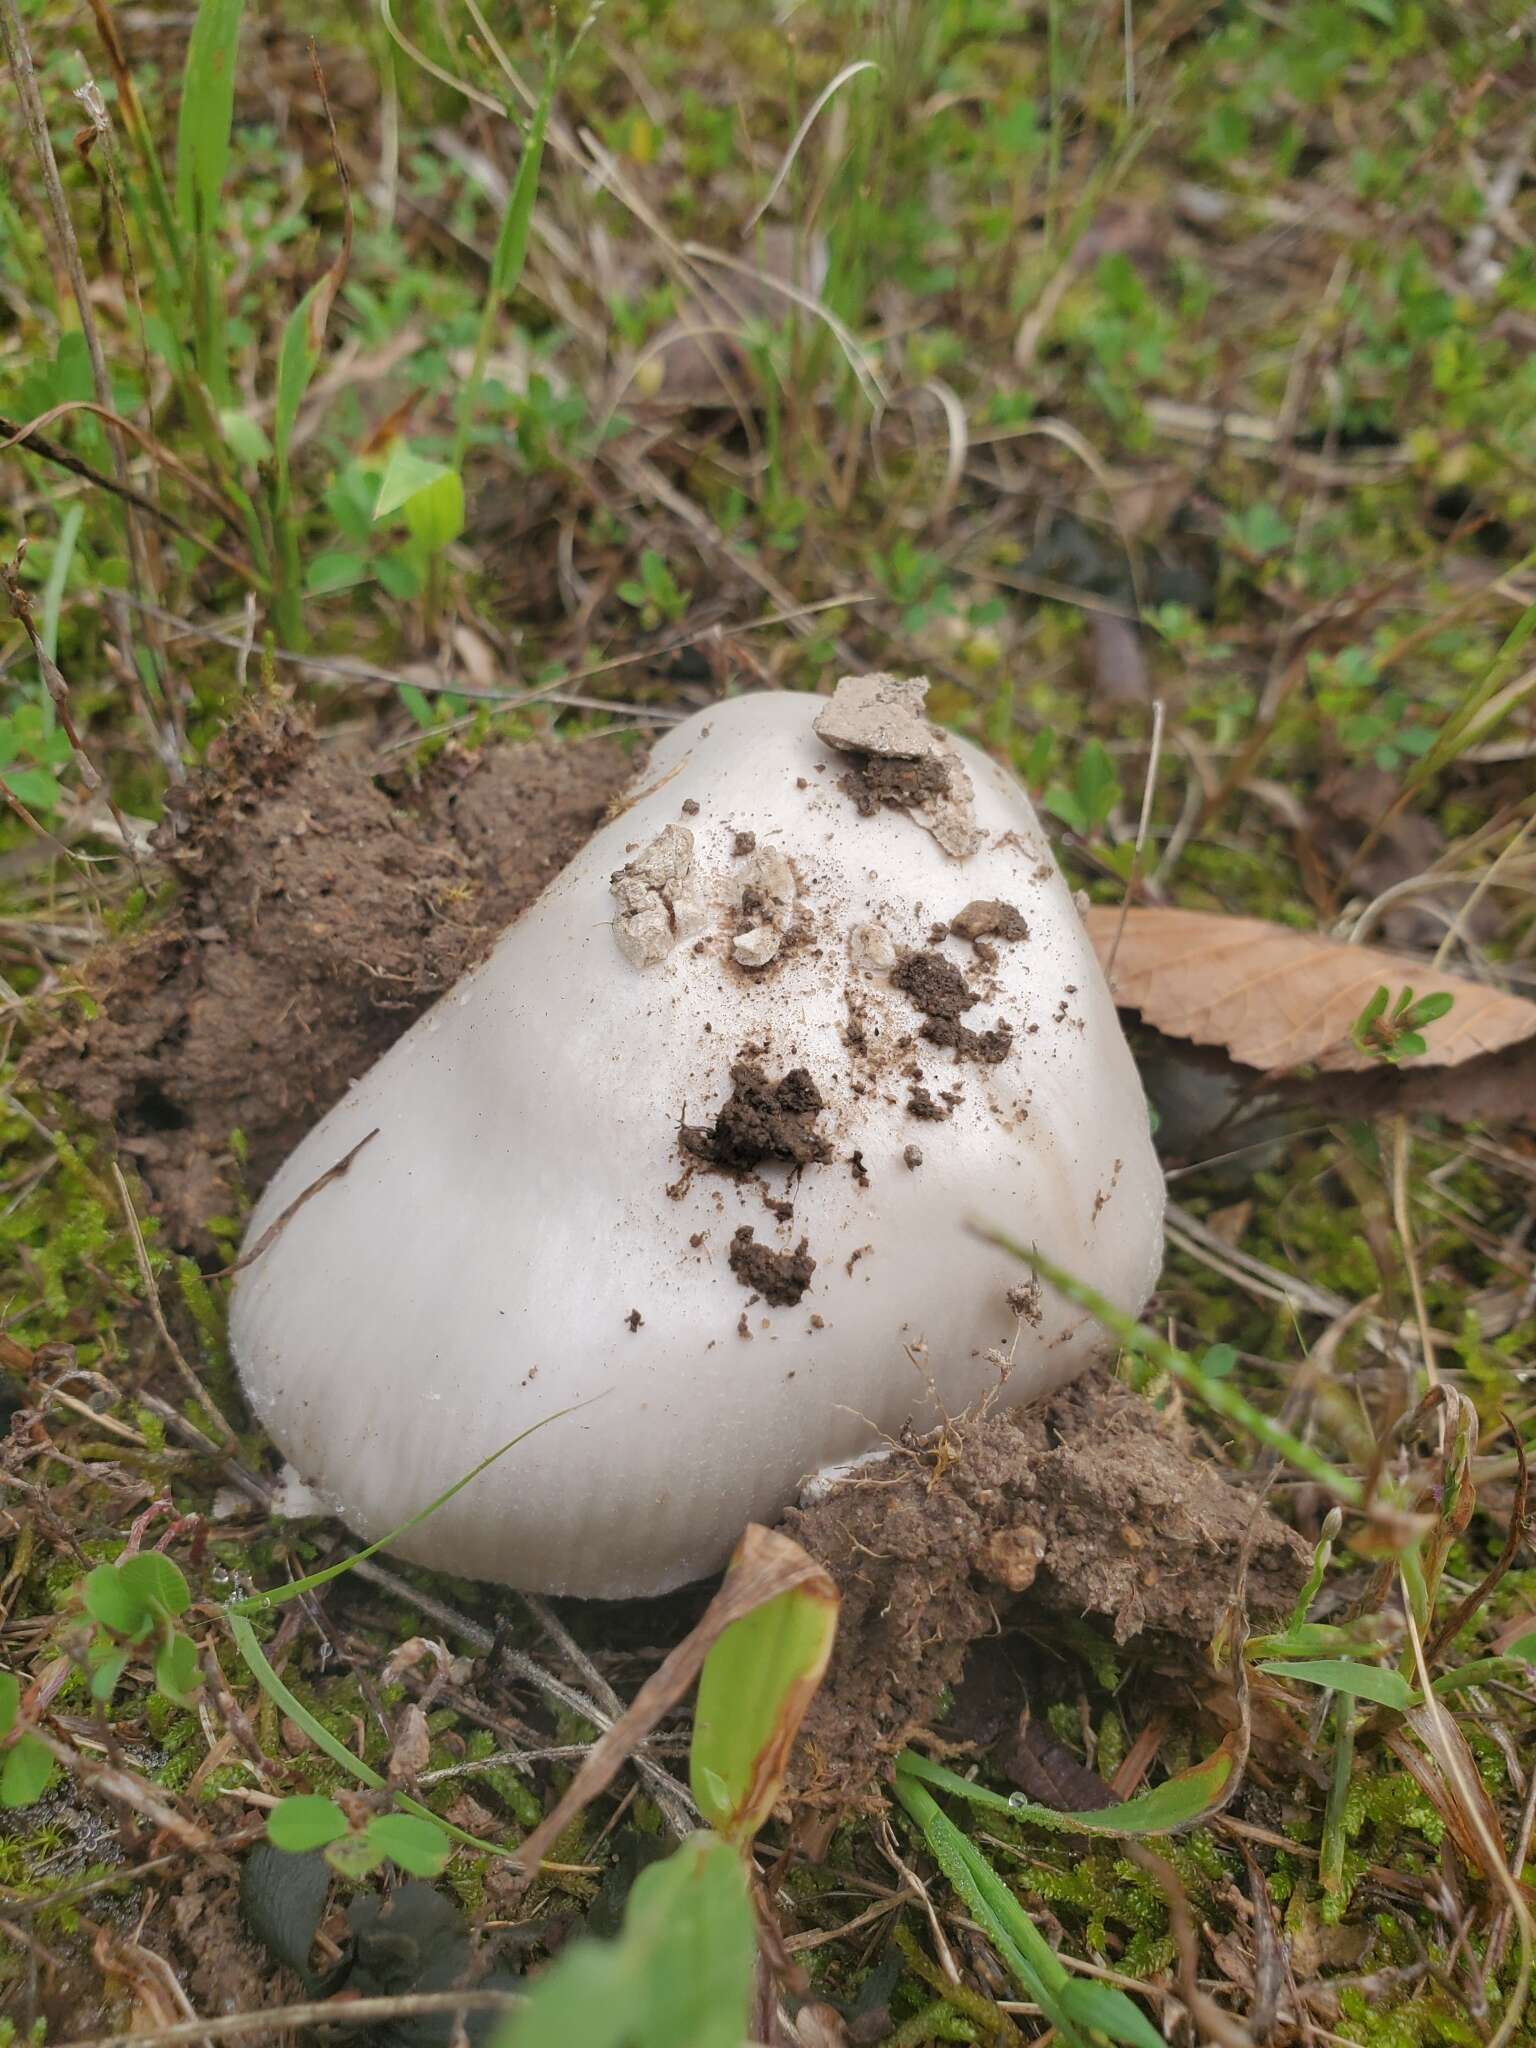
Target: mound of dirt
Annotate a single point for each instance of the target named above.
(1090, 1503)
(319, 908)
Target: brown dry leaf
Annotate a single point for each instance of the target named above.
(413, 1747)
(1275, 998)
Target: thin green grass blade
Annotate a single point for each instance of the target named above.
(255, 1659)
(1180, 1802)
(1463, 729)
(511, 253)
(202, 160)
(1344, 1675)
(1074, 2005)
(258, 1603)
(1217, 1395)
(1034, 1965)
(53, 592)
(207, 113)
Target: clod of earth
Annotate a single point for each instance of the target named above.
(762, 1120)
(779, 1277)
(1090, 1503)
(986, 918)
(897, 759)
(937, 988)
(419, 1311)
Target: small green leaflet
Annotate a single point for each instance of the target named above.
(129, 1597)
(429, 495)
(418, 1846)
(308, 1822)
(1341, 1674)
(176, 1669)
(26, 1766)
(1177, 1803)
(113, 1604)
(155, 1582)
(107, 1663)
(335, 571)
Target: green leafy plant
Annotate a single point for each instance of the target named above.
(1397, 1033)
(32, 748)
(1095, 789)
(680, 1971)
(134, 1604)
(656, 594)
(354, 1846)
(25, 1763)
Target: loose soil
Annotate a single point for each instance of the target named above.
(320, 906)
(1090, 1503)
(779, 1277)
(761, 1120)
(937, 988)
(875, 779)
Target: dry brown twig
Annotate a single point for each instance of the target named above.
(310, 2012)
(204, 1399)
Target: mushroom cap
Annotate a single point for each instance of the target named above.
(527, 1231)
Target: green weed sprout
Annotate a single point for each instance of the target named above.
(1397, 1033)
(134, 1604)
(356, 1846)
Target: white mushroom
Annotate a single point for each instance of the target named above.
(617, 1167)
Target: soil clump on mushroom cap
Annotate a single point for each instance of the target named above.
(1089, 1503)
(761, 1120)
(873, 780)
(779, 1277)
(321, 906)
(936, 986)
(987, 918)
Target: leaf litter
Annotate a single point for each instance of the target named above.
(1276, 999)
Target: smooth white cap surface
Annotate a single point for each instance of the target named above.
(526, 1231)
